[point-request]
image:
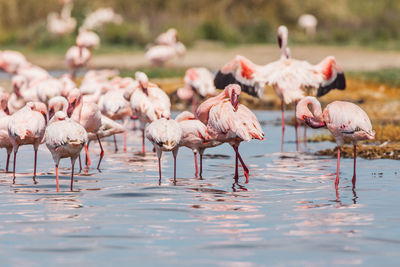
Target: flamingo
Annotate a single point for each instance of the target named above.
(149, 103)
(88, 115)
(195, 136)
(11, 61)
(47, 89)
(65, 138)
(345, 121)
(116, 107)
(158, 55)
(99, 17)
(309, 23)
(289, 77)
(57, 103)
(165, 135)
(232, 122)
(87, 39)
(198, 84)
(27, 127)
(5, 141)
(77, 57)
(67, 84)
(170, 37)
(22, 94)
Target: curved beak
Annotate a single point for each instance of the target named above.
(280, 41)
(7, 111)
(234, 100)
(70, 108)
(51, 113)
(313, 123)
(45, 116)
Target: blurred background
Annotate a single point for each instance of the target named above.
(367, 23)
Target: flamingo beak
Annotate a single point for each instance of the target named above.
(51, 113)
(280, 41)
(71, 108)
(234, 100)
(17, 91)
(313, 123)
(7, 111)
(45, 116)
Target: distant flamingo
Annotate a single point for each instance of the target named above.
(309, 23)
(230, 121)
(195, 136)
(289, 77)
(5, 141)
(170, 37)
(89, 116)
(158, 55)
(199, 83)
(11, 61)
(27, 127)
(87, 39)
(345, 120)
(165, 135)
(65, 138)
(77, 57)
(149, 103)
(62, 23)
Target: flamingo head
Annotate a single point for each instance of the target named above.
(313, 118)
(58, 116)
(74, 99)
(4, 96)
(143, 80)
(18, 82)
(282, 36)
(39, 107)
(233, 91)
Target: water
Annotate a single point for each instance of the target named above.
(288, 215)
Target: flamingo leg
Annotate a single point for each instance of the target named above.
(34, 167)
(125, 140)
(88, 162)
(245, 169)
(283, 124)
(175, 153)
(101, 152)
(296, 127)
(354, 167)
(115, 144)
(201, 165)
(143, 141)
(80, 163)
(236, 167)
(159, 170)
(72, 174)
(305, 136)
(195, 164)
(337, 168)
(8, 159)
(57, 183)
(15, 159)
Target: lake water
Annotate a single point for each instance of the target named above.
(287, 215)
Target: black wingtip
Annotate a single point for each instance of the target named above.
(221, 80)
(338, 83)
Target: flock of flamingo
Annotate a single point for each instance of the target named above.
(65, 116)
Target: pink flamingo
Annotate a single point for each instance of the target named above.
(116, 107)
(165, 135)
(289, 77)
(195, 136)
(11, 61)
(230, 121)
(87, 39)
(149, 103)
(89, 116)
(47, 89)
(65, 138)
(67, 84)
(57, 103)
(27, 127)
(345, 120)
(199, 83)
(5, 141)
(170, 37)
(77, 57)
(158, 55)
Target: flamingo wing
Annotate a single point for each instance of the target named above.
(332, 76)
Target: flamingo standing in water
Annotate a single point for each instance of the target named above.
(149, 103)
(199, 83)
(5, 141)
(289, 77)
(165, 135)
(27, 127)
(65, 138)
(89, 116)
(345, 120)
(230, 121)
(195, 136)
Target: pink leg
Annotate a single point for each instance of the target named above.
(245, 169)
(115, 144)
(72, 174)
(15, 159)
(124, 141)
(337, 169)
(159, 170)
(88, 162)
(8, 160)
(101, 152)
(201, 165)
(354, 167)
(57, 183)
(174, 167)
(236, 167)
(283, 124)
(195, 164)
(34, 168)
(143, 141)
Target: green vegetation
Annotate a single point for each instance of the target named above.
(156, 72)
(390, 77)
(343, 22)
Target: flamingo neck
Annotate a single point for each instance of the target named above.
(76, 114)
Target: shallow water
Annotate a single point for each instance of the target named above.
(289, 213)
